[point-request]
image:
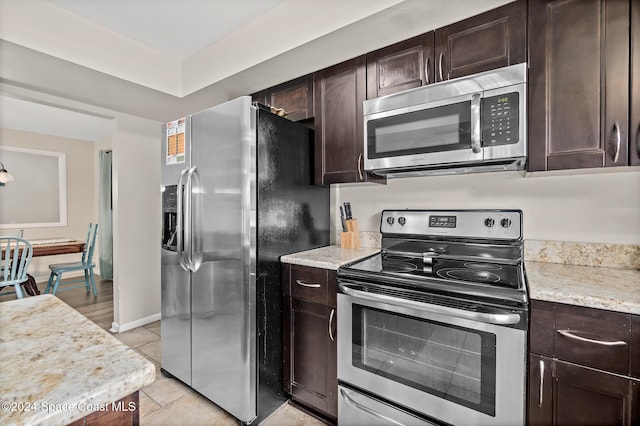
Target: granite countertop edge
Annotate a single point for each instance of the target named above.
(597, 287)
(613, 289)
(328, 257)
(103, 369)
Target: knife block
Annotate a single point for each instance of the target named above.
(351, 238)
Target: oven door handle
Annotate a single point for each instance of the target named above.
(504, 318)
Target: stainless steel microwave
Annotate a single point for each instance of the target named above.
(469, 124)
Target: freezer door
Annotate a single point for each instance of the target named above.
(176, 317)
(175, 281)
(223, 284)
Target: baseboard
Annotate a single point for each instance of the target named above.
(121, 328)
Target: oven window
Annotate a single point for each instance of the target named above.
(454, 363)
(444, 128)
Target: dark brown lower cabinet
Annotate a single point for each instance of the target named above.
(583, 366)
(310, 347)
(562, 393)
(122, 412)
(313, 370)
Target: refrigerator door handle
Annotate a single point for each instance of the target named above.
(195, 231)
(180, 219)
(188, 220)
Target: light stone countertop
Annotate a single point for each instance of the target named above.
(60, 366)
(612, 289)
(329, 257)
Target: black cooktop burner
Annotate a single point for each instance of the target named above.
(472, 275)
(482, 271)
(395, 266)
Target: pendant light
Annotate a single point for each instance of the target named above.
(5, 176)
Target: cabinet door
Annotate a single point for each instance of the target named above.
(634, 135)
(295, 97)
(340, 91)
(339, 135)
(493, 39)
(634, 349)
(314, 353)
(401, 66)
(540, 396)
(578, 84)
(587, 397)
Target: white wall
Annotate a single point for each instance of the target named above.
(136, 222)
(584, 206)
(80, 192)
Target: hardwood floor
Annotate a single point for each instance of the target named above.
(98, 309)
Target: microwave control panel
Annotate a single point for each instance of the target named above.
(500, 119)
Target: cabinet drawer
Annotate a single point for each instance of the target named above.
(594, 338)
(310, 284)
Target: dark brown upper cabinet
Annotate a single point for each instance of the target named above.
(401, 66)
(339, 135)
(634, 141)
(295, 97)
(493, 39)
(578, 84)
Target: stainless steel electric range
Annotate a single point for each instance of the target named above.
(433, 328)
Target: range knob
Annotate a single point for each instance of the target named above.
(402, 220)
(506, 222)
(489, 222)
(390, 220)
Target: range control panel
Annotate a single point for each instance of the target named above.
(484, 224)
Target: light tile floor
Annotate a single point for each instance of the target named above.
(169, 402)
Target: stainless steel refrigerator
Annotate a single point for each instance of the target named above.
(238, 193)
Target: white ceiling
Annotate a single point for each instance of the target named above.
(177, 28)
(21, 114)
(157, 58)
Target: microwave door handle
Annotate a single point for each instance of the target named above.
(475, 123)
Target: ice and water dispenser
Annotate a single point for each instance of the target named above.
(169, 217)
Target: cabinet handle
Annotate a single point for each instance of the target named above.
(541, 383)
(567, 333)
(333, 311)
(426, 71)
(618, 137)
(360, 167)
(302, 283)
(440, 65)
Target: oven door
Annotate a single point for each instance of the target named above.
(431, 360)
(440, 132)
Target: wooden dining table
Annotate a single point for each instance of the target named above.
(49, 247)
(55, 246)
